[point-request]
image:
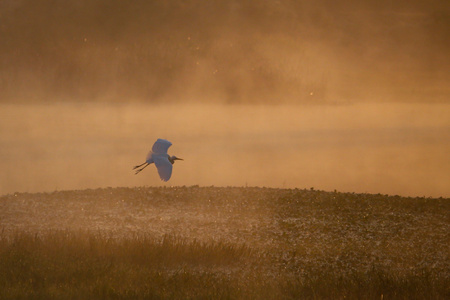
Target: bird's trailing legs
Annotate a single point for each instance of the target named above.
(140, 165)
(137, 171)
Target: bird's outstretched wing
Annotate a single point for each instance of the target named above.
(161, 146)
(164, 166)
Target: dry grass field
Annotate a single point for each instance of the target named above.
(223, 243)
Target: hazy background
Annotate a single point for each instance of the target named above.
(227, 51)
(350, 96)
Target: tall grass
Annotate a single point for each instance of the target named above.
(297, 244)
(82, 265)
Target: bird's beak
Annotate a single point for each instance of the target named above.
(178, 158)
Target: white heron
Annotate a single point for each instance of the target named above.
(162, 160)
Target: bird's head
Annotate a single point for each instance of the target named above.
(173, 158)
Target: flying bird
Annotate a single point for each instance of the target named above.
(162, 160)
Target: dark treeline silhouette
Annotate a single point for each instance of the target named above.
(231, 51)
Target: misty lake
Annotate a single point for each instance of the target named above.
(375, 148)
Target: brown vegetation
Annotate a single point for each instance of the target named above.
(192, 242)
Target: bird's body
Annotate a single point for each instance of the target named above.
(163, 161)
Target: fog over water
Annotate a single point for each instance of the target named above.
(377, 148)
(349, 96)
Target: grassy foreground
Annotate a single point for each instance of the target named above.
(232, 243)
